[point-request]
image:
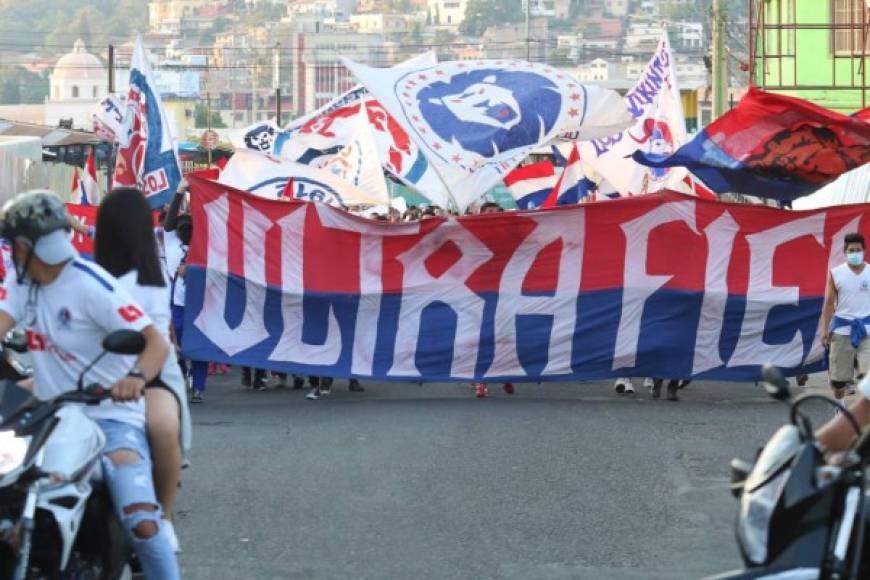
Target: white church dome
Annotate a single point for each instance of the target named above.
(79, 65)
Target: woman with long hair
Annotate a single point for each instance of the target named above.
(125, 245)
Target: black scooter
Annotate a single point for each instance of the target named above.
(800, 518)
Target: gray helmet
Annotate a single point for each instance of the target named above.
(40, 220)
(33, 214)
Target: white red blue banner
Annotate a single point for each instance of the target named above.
(659, 127)
(272, 178)
(475, 121)
(148, 152)
(576, 292)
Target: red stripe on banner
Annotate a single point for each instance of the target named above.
(667, 241)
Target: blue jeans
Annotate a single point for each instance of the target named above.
(198, 369)
(130, 484)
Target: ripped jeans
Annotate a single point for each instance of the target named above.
(132, 488)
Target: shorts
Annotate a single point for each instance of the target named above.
(841, 363)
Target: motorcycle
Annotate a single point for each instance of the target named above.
(800, 516)
(57, 520)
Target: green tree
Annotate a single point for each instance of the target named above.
(200, 118)
(481, 14)
(19, 86)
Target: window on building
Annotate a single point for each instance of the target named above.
(75, 92)
(850, 20)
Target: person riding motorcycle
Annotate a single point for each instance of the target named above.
(68, 306)
(838, 433)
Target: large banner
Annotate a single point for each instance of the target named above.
(664, 285)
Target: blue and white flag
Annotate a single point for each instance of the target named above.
(148, 153)
(477, 120)
(659, 127)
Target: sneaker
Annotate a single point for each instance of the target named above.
(656, 389)
(171, 535)
(196, 397)
(259, 385)
(325, 392)
(672, 391)
(509, 388)
(623, 386)
(649, 383)
(354, 386)
(313, 395)
(223, 369)
(280, 380)
(298, 382)
(482, 391)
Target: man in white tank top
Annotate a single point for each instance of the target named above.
(846, 316)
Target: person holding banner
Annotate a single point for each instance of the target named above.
(126, 247)
(178, 231)
(845, 316)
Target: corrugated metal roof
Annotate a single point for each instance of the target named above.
(51, 136)
(851, 187)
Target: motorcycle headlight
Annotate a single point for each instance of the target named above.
(753, 522)
(12, 451)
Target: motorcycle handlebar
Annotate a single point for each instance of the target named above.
(93, 394)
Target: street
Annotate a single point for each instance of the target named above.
(406, 481)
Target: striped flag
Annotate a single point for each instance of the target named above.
(531, 184)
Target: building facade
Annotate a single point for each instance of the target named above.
(813, 49)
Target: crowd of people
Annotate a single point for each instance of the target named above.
(136, 282)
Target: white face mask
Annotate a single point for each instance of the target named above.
(855, 258)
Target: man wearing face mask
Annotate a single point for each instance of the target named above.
(845, 316)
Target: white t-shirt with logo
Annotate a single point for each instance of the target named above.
(66, 322)
(853, 295)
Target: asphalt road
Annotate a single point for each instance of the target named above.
(405, 481)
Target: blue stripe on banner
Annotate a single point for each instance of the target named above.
(666, 343)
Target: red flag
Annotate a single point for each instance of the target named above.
(75, 187)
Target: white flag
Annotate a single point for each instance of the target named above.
(659, 127)
(475, 121)
(268, 177)
(357, 163)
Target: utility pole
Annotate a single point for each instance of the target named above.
(528, 34)
(110, 162)
(208, 120)
(111, 69)
(720, 61)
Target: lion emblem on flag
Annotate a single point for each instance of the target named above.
(465, 115)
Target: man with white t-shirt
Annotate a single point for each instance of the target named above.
(845, 316)
(68, 306)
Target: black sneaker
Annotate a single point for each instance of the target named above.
(196, 397)
(259, 385)
(298, 382)
(355, 386)
(672, 391)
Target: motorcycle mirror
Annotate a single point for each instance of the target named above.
(16, 340)
(124, 342)
(775, 383)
